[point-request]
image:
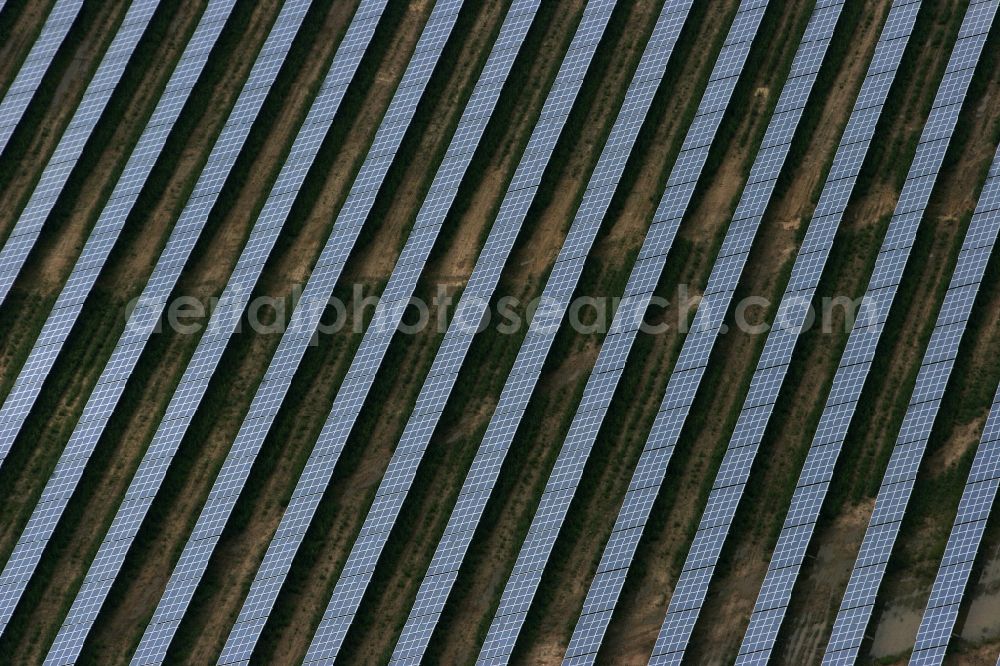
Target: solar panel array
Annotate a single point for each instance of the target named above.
(726, 494)
(27, 551)
(789, 553)
(70, 302)
(939, 618)
(938, 622)
(145, 317)
(50, 185)
(480, 287)
(814, 480)
(33, 69)
(557, 292)
(315, 297)
(935, 370)
(572, 459)
(794, 308)
(606, 587)
(226, 316)
(458, 339)
(734, 471)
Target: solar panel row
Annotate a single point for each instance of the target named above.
(721, 286)
(612, 570)
(939, 618)
(69, 305)
(347, 405)
(806, 502)
(482, 284)
(939, 358)
(33, 69)
(731, 478)
(145, 317)
(793, 311)
(938, 622)
(527, 367)
(57, 170)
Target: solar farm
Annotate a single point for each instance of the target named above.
(522, 331)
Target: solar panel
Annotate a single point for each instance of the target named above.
(231, 478)
(69, 304)
(480, 288)
(817, 471)
(728, 487)
(37, 62)
(57, 170)
(387, 316)
(911, 444)
(569, 466)
(145, 317)
(938, 622)
(339, 613)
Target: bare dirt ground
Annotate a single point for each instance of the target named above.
(16, 42)
(27, 154)
(75, 542)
